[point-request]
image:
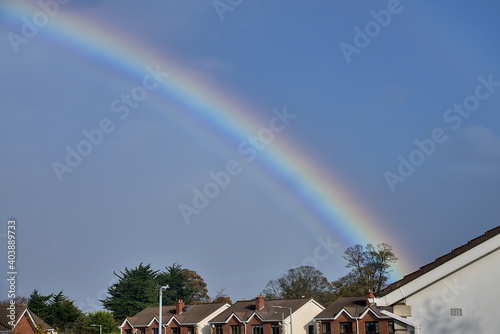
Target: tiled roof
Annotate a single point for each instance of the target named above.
(19, 310)
(4, 312)
(355, 306)
(245, 309)
(440, 261)
(194, 314)
(40, 322)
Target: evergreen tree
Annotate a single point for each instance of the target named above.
(135, 290)
(39, 304)
(176, 279)
(63, 312)
(138, 288)
(57, 310)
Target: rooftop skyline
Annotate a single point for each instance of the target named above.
(241, 139)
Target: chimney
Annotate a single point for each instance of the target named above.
(370, 297)
(259, 302)
(179, 306)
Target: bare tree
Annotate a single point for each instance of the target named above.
(301, 282)
(222, 297)
(18, 300)
(370, 268)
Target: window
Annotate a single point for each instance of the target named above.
(311, 329)
(371, 327)
(175, 330)
(275, 329)
(326, 328)
(143, 330)
(128, 331)
(218, 330)
(345, 327)
(391, 327)
(456, 312)
(155, 330)
(190, 330)
(235, 329)
(257, 329)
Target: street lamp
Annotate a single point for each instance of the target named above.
(165, 287)
(290, 309)
(100, 328)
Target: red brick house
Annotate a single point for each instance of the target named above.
(355, 315)
(176, 319)
(20, 320)
(261, 316)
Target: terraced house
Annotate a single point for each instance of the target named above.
(455, 294)
(177, 319)
(356, 315)
(260, 316)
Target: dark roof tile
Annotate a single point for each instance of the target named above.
(245, 309)
(355, 306)
(194, 314)
(19, 310)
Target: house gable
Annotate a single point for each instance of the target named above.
(344, 313)
(268, 313)
(173, 322)
(19, 319)
(192, 316)
(441, 268)
(233, 319)
(369, 315)
(126, 324)
(24, 325)
(153, 321)
(255, 318)
(454, 294)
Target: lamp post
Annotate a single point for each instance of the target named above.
(100, 328)
(165, 287)
(290, 309)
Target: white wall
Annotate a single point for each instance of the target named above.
(303, 317)
(203, 327)
(474, 288)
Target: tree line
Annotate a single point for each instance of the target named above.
(370, 268)
(61, 313)
(137, 288)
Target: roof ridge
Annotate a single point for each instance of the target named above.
(441, 260)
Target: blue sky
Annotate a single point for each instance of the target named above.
(354, 119)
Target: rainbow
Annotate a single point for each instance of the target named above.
(294, 176)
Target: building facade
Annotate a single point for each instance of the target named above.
(355, 315)
(456, 293)
(176, 319)
(259, 316)
(18, 319)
